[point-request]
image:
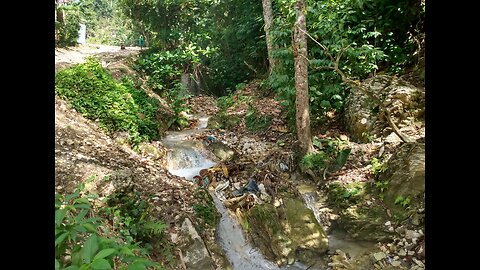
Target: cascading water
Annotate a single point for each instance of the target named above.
(186, 158)
(337, 239)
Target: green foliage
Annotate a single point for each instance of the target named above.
(255, 122)
(231, 30)
(205, 209)
(131, 217)
(118, 106)
(345, 194)
(377, 166)
(381, 186)
(66, 31)
(80, 240)
(374, 35)
(404, 202)
(317, 160)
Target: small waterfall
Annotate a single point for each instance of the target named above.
(337, 239)
(185, 158)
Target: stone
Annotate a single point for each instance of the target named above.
(379, 256)
(405, 174)
(290, 230)
(221, 151)
(396, 263)
(411, 234)
(195, 253)
(400, 98)
(418, 262)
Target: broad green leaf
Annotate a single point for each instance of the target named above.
(81, 200)
(126, 251)
(59, 216)
(61, 238)
(104, 253)
(82, 206)
(84, 267)
(90, 248)
(89, 227)
(57, 265)
(101, 264)
(72, 196)
(81, 215)
(71, 267)
(137, 266)
(80, 228)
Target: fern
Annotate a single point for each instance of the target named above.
(154, 227)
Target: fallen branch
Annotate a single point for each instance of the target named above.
(250, 67)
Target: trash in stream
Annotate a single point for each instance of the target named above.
(250, 187)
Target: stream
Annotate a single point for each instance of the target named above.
(187, 158)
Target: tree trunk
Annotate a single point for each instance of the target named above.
(301, 79)
(268, 18)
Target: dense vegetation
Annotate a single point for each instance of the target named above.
(218, 46)
(120, 238)
(119, 106)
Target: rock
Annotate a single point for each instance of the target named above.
(402, 253)
(379, 256)
(221, 151)
(411, 234)
(396, 263)
(388, 223)
(290, 230)
(365, 223)
(401, 99)
(195, 253)
(418, 262)
(147, 149)
(406, 177)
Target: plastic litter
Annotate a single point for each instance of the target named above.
(250, 187)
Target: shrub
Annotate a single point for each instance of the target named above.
(93, 92)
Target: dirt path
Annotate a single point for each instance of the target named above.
(74, 55)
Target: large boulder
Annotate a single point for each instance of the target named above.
(405, 174)
(195, 253)
(287, 233)
(404, 102)
(221, 150)
(365, 223)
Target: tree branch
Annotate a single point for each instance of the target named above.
(357, 85)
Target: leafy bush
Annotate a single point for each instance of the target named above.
(66, 32)
(205, 210)
(131, 216)
(374, 35)
(118, 106)
(332, 154)
(83, 241)
(377, 166)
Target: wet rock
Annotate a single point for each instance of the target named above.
(287, 231)
(221, 150)
(195, 253)
(365, 223)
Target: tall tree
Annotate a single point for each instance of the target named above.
(268, 18)
(301, 78)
